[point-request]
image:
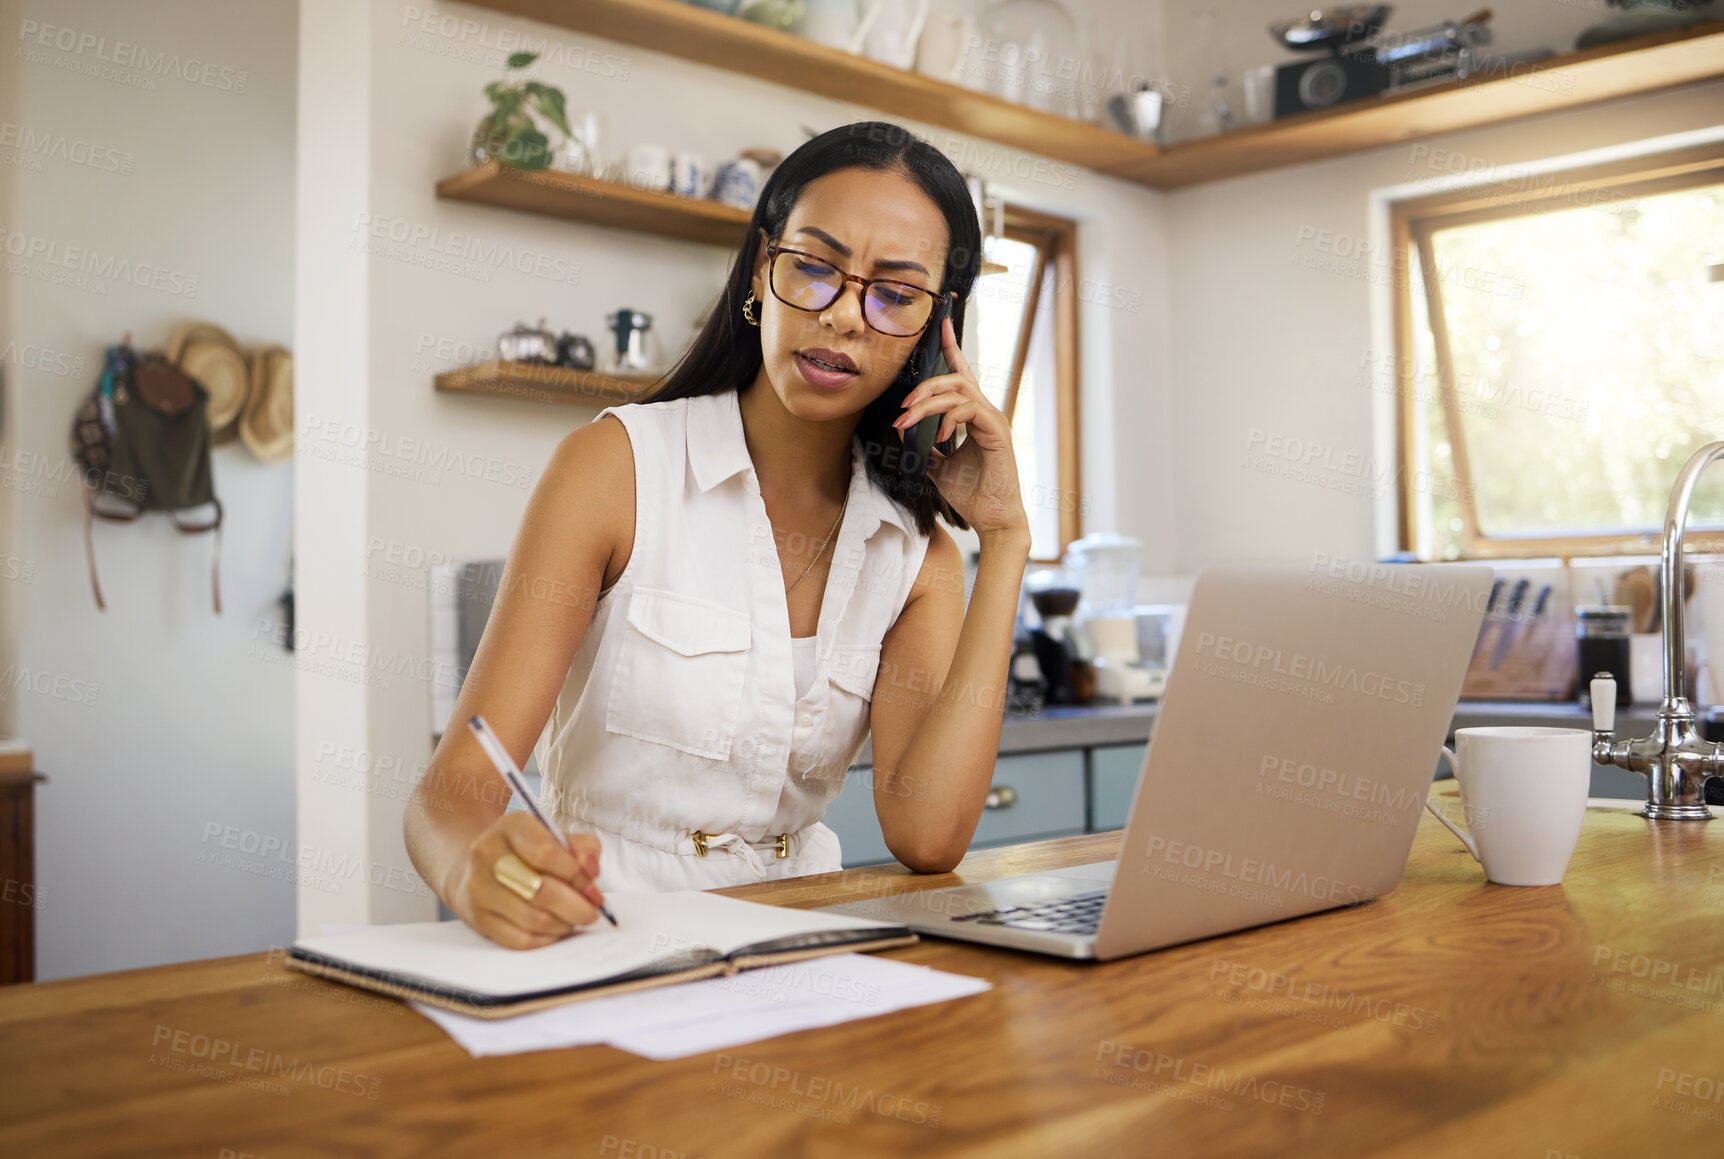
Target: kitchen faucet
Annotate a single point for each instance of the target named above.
(1675, 760)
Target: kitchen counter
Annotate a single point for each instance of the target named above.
(1074, 769)
(1066, 726)
(1448, 1018)
(1095, 725)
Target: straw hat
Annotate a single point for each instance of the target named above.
(211, 356)
(266, 427)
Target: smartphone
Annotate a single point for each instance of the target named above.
(927, 361)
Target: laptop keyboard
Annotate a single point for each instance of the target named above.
(1068, 915)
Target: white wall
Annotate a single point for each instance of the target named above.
(331, 337)
(12, 565)
(1269, 344)
(173, 725)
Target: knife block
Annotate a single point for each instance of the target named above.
(1540, 662)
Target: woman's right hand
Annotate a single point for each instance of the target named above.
(567, 896)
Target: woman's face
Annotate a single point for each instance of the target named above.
(871, 223)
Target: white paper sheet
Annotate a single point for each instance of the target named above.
(716, 1013)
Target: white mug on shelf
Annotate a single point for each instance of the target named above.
(690, 175)
(1523, 793)
(738, 182)
(649, 167)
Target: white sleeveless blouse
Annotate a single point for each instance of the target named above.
(680, 712)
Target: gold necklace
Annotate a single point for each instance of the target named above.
(823, 544)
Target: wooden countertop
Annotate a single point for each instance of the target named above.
(1450, 1017)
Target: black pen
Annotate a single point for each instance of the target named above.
(506, 765)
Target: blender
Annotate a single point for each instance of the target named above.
(1106, 566)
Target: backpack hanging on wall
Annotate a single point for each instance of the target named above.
(142, 439)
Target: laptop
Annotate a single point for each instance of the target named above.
(1293, 752)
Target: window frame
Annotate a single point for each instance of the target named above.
(1055, 240)
(1412, 223)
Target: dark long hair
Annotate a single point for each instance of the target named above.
(727, 356)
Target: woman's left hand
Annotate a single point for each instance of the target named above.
(980, 478)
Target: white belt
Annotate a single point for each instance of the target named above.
(734, 843)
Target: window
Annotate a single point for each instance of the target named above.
(1026, 362)
(1560, 354)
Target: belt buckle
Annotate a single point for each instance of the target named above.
(783, 845)
(700, 842)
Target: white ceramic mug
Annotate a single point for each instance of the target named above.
(690, 175)
(1523, 792)
(738, 182)
(649, 167)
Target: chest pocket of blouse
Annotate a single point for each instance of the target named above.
(827, 737)
(679, 674)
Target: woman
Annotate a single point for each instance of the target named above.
(715, 595)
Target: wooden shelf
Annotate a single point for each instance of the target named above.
(729, 42)
(537, 382)
(567, 195)
(1641, 65)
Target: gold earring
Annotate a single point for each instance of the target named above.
(748, 309)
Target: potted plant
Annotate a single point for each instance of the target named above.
(509, 133)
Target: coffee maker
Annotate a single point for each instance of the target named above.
(1064, 673)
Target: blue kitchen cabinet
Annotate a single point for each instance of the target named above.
(851, 816)
(1113, 771)
(1033, 796)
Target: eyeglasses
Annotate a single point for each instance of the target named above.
(805, 281)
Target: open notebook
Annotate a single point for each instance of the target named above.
(659, 939)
